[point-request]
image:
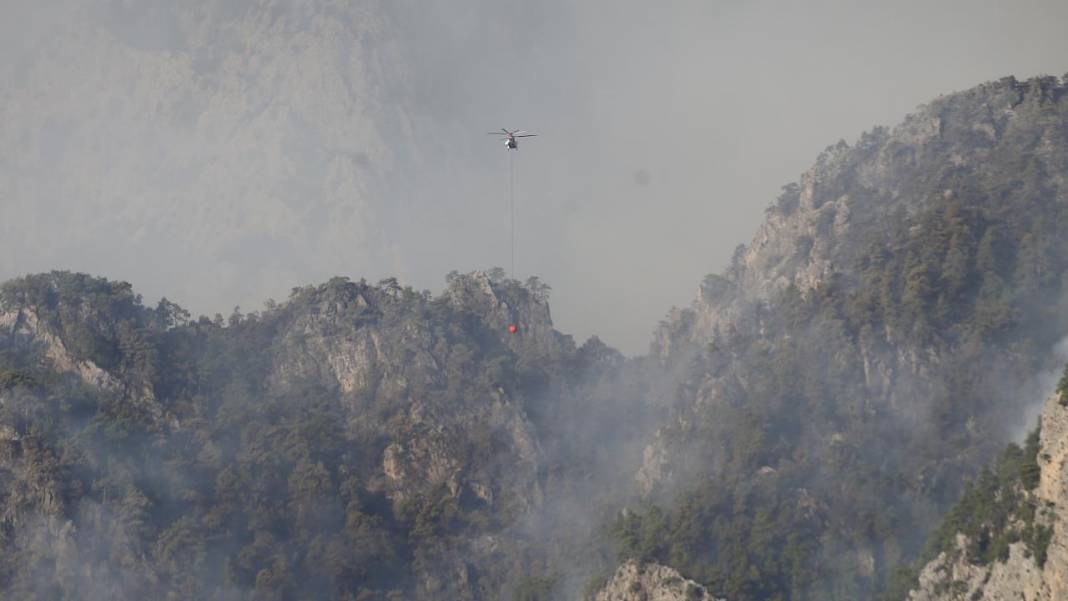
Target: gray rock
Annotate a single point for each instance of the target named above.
(636, 581)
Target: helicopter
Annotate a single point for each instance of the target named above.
(510, 138)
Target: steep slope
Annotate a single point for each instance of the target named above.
(1005, 137)
(877, 341)
(357, 441)
(1009, 539)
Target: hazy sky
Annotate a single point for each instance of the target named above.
(664, 131)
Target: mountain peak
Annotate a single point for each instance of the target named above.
(959, 145)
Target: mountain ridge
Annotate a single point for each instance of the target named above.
(903, 296)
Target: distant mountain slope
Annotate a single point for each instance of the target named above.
(234, 140)
(880, 338)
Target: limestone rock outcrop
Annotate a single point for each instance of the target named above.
(1022, 576)
(636, 581)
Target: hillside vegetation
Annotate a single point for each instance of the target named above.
(874, 346)
(354, 442)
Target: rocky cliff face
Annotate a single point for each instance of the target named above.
(1021, 574)
(635, 581)
(22, 328)
(901, 296)
(821, 226)
(73, 335)
(402, 357)
(819, 236)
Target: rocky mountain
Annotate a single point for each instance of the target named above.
(357, 441)
(1006, 539)
(997, 136)
(878, 341)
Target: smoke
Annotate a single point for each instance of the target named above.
(1038, 393)
(224, 151)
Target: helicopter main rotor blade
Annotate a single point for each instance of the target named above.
(527, 136)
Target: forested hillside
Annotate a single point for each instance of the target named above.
(355, 442)
(879, 340)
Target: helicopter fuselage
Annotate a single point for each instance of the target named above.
(511, 138)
